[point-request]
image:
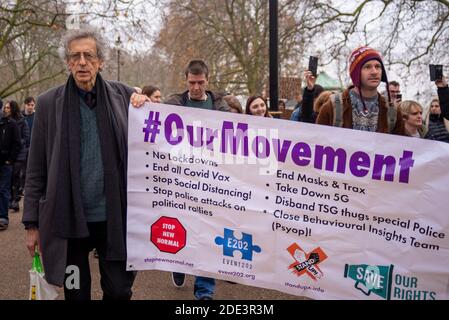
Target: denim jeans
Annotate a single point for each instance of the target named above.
(204, 287)
(5, 190)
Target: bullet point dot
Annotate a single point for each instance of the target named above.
(267, 198)
(148, 165)
(148, 178)
(148, 190)
(268, 184)
(148, 153)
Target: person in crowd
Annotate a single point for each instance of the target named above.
(28, 111)
(233, 103)
(281, 106)
(10, 146)
(196, 96)
(75, 190)
(311, 92)
(28, 114)
(12, 111)
(394, 88)
(443, 96)
(282, 110)
(361, 107)
(413, 120)
(296, 114)
(321, 100)
(152, 92)
(257, 106)
(437, 126)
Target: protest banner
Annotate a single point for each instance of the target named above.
(309, 210)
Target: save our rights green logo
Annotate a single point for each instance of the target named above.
(375, 279)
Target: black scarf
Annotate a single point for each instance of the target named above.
(436, 118)
(70, 220)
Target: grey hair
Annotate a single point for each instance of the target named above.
(78, 34)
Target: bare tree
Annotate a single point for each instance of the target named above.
(409, 33)
(31, 32)
(407, 30)
(25, 43)
(232, 35)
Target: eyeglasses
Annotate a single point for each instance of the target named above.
(76, 56)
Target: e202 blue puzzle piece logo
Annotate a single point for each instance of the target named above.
(231, 244)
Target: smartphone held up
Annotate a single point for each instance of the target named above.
(313, 65)
(436, 72)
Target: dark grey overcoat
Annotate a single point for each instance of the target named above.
(42, 171)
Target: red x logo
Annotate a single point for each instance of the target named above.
(306, 262)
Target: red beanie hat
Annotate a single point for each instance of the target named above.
(358, 58)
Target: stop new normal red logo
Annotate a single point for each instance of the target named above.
(168, 235)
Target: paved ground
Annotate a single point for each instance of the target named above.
(149, 285)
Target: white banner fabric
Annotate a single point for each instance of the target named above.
(315, 211)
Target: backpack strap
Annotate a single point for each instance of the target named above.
(338, 109)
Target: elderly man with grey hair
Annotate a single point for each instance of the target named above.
(75, 190)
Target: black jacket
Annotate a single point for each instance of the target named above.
(307, 113)
(10, 142)
(443, 96)
(29, 118)
(25, 137)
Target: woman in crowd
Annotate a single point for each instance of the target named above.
(438, 126)
(233, 103)
(152, 92)
(257, 106)
(12, 111)
(413, 120)
(281, 106)
(320, 101)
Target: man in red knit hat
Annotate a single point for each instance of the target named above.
(361, 106)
